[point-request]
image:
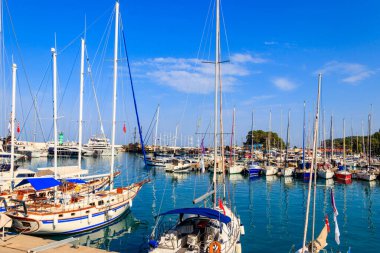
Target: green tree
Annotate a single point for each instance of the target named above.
(261, 137)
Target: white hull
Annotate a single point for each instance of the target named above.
(89, 213)
(366, 176)
(236, 169)
(326, 174)
(270, 171)
(287, 172)
(229, 238)
(51, 224)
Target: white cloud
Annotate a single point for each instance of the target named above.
(270, 43)
(190, 75)
(284, 84)
(247, 58)
(348, 72)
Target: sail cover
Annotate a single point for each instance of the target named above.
(206, 212)
(40, 183)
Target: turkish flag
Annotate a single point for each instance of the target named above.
(124, 128)
(221, 206)
(327, 223)
(18, 128)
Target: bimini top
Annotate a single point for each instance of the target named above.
(40, 182)
(206, 212)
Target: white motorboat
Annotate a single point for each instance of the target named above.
(270, 170)
(287, 172)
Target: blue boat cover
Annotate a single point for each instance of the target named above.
(206, 212)
(74, 180)
(40, 182)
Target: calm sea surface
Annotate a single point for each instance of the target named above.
(272, 209)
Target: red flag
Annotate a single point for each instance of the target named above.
(327, 223)
(18, 127)
(124, 128)
(221, 206)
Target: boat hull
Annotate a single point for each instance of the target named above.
(343, 176)
(325, 174)
(287, 172)
(54, 225)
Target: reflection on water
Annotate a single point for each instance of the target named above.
(102, 238)
(271, 208)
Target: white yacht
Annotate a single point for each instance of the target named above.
(98, 146)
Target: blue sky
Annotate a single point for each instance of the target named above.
(275, 49)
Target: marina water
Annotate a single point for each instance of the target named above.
(272, 209)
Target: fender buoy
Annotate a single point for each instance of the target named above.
(215, 247)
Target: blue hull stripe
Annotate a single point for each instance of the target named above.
(81, 217)
(91, 227)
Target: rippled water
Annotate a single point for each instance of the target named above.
(272, 209)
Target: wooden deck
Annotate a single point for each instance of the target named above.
(23, 243)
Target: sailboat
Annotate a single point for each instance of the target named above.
(202, 229)
(303, 170)
(343, 174)
(268, 169)
(235, 167)
(287, 171)
(72, 213)
(325, 169)
(254, 169)
(369, 173)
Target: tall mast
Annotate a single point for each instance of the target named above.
(175, 137)
(157, 117)
(344, 143)
(363, 144)
(252, 138)
(232, 141)
(13, 118)
(55, 116)
(332, 137)
(312, 163)
(269, 133)
(303, 135)
(369, 140)
(324, 136)
(281, 138)
(217, 62)
(287, 141)
(233, 132)
(114, 92)
(81, 87)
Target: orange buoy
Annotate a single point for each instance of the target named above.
(215, 247)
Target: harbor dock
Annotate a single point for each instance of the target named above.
(26, 243)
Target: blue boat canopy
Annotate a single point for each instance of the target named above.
(74, 180)
(206, 212)
(40, 183)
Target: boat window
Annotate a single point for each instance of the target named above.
(72, 214)
(101, 202)
(87, 211)
(25, 224)
(60, 216)
(92, 204)
(112, 200)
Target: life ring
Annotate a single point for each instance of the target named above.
(215, 247)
